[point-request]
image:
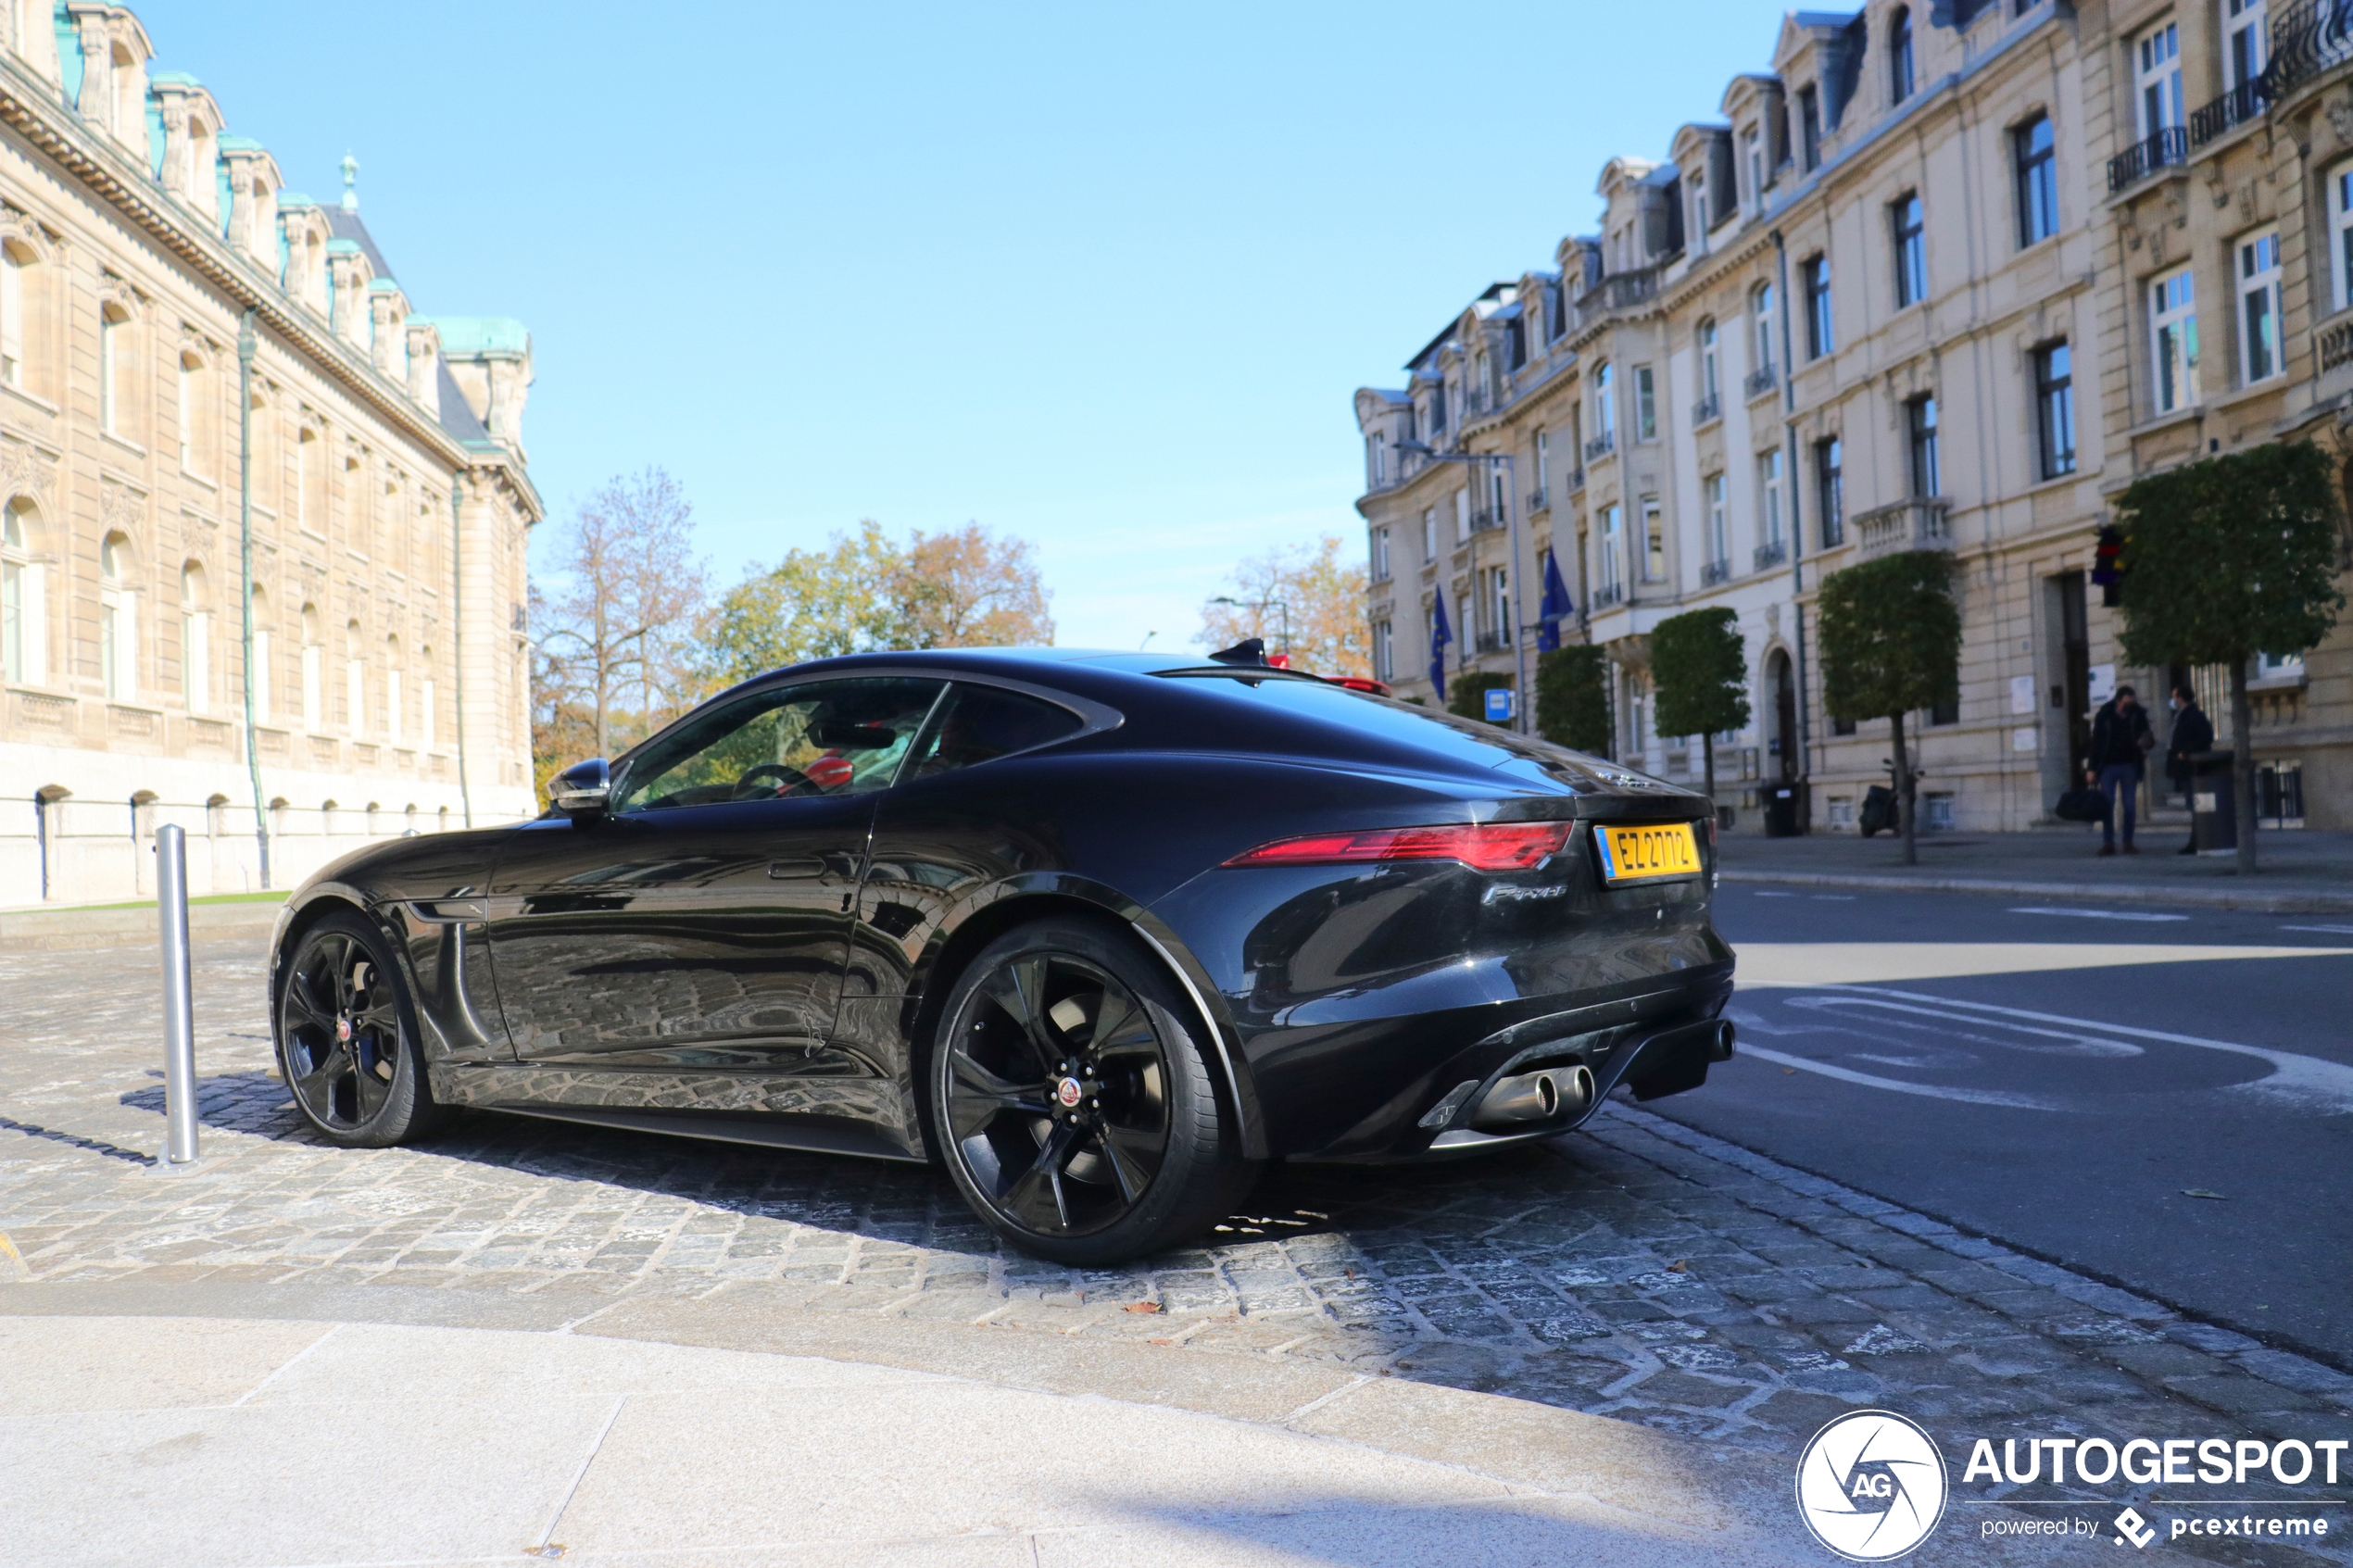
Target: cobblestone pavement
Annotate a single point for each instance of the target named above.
(1638, 1269)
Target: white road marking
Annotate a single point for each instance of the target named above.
(2307, 1082)
(1931, 1091)
(1834, 898)
(2070, 1042)
(2337, 930)
(1777, 895)
(2100, 914)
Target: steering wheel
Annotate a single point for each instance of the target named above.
(789, 778)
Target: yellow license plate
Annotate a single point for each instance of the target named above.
(1652, 851)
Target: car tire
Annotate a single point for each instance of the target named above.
(347, 1038)
(1072, 1092)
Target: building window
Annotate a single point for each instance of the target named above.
(313, 671)
(1816, 275)
(1809, 127)
(2034, 156)
(23, 623)
(2259, 269)
(1708, 388)
(1720, 525)
(2055, 410)
(1438, 407)
(11, 318)
(1462, 517)
(1646, 404)
(195, 640)
(1613, 546)
(1499, 604)
(1516, 333)
(1381, 554)
(1768, 491)
(355, 683)
(2243, 50)
(1544, 465)
(1698, 182)
(117, 623)
(1556, 307)
(110, 334)
(1830, 491)
(1384, 651)
(1760, 315)
(2157, 81)
(2341, 225)
(1911, 250)
(2174, 344)
(1654, 541)
(1900, 80)
(1919, 422)
(1430, 534)
(1753, 157)
(1605, 401)
(1374, 464)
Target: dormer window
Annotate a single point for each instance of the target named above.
(1698, 182)
(1900, 77)
(1809, 127)
(1752, 159)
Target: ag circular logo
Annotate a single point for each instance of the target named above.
(1870, 1485)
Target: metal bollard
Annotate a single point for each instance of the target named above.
(179, 1014)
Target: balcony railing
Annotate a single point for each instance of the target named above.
(1715, 571)
(1620, 291)
(1759, 383)
(1916, 524)
(1540, 500)
(2169, 146)
(2334, 346)
(1475, 401)
(2306, 40)
(1708, 408)
(1772, 555)
(1487, 522)
(1490, 642)
(1576, 481)
(1601, 445)
(1609, 594)
(2237, 107)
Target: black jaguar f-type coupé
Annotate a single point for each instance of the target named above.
(1101, 933)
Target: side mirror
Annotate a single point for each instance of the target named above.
(582, 790)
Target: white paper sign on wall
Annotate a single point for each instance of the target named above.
(2021, 693)
(2103, 683)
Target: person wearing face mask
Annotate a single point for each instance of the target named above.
(2192, 732)
(2119, 737)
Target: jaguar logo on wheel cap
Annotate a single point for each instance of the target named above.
(1067, 1091)
(343, 1030)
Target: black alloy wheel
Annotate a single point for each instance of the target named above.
(1078, 1113)
(342, 1040)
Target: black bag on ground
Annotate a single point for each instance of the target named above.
(2085, 805)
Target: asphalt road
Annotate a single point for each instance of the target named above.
(2164, 1100)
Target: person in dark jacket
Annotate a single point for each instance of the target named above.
(2119, 738)
(2192, 732)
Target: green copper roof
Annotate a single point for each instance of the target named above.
(464, 335)
(384, 283)
(293, 198)
(340, 247)
(172, 79)
(239, 144)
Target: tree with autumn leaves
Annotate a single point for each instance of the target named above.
(1307, 588)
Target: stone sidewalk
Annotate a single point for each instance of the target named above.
(2300, 871)
(1638, 1270)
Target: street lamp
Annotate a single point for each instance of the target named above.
(1260, 606)
(1511, 519)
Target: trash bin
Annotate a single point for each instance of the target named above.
(1784, 817)
(2214, 824)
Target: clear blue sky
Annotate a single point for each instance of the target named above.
(1101, 276)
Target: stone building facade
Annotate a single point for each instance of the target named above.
(1903, 293)
(377, 460)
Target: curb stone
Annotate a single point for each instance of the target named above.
(2253, 902)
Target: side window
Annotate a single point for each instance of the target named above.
(984, 722)
(831, 737)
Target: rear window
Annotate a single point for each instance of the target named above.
(1389, 721)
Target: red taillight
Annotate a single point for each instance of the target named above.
(1485, 847)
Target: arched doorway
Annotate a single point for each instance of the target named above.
(1780, 686)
